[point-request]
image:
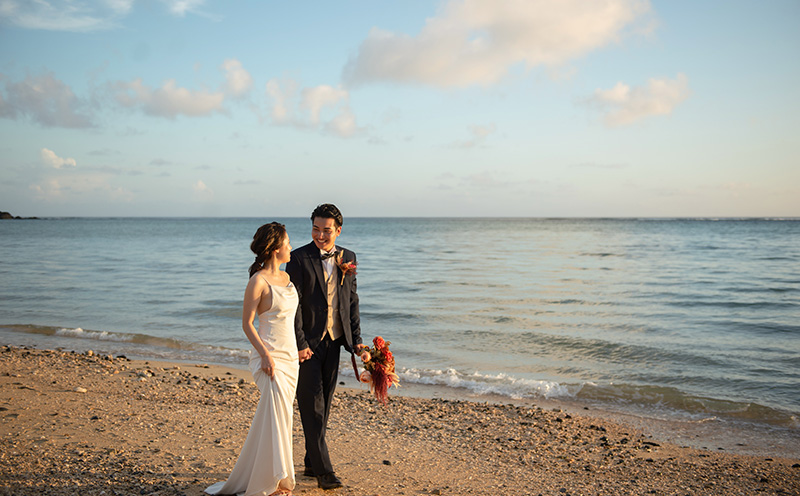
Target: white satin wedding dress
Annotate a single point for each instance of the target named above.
(265, 463)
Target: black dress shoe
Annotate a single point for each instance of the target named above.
(328, 481)
(308, 472)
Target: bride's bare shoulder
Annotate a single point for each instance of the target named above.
(258, 281)
(270, 279)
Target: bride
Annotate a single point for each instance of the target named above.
(265, 464)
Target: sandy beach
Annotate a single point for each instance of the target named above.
(103, 425)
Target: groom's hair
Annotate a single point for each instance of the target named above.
(328, 211)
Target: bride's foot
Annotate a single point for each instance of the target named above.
(282, 492)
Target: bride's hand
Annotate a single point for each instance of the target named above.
(268, 365)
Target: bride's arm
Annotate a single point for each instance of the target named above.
(255, 291)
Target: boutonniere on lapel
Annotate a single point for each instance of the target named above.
(345, 267)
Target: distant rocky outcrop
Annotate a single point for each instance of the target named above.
(6, 215)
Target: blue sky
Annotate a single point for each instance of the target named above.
(619, 108)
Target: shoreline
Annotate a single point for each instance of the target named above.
(89, 424)
(730, 414)
(709, 432)
(735, 437)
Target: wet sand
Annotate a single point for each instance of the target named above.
(101, 425)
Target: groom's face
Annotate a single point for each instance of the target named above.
(324, 233)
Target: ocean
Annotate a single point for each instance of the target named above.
(688, 320)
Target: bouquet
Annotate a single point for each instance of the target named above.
(379, 365)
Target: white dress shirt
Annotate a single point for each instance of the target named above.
(327, 264)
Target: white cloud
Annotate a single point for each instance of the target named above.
(319, 97)
(51, 159)
(63, 15)
(344, 124)
(624, 104)
(321, 107)
(169, 100)
(478, 41)
(120, 6)
(281, 98)
(238, 82)
(47, 189)
(45, 100)
(181, 7)
(200, 188)
(79, 16)
(77, 187)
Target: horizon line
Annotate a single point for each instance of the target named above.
(510, 217)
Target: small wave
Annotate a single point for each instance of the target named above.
(159, 346)
(567, 301)
(234, 312)
(99, 335)
(497, 384)
(705, 420)
(154, 341)
(651, 400)
(699, 409)
(732, 304)
(782, 290)
(778, 328)
(389, 316)
(758, 290)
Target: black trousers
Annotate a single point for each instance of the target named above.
(316, 383)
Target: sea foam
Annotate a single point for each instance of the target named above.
(498, 384)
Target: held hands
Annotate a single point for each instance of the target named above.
(304, 354)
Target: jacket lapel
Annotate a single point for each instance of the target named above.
(336, 268)
(316, 262)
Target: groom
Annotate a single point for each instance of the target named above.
(327, 319)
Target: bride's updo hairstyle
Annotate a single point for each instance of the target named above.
(266, 241)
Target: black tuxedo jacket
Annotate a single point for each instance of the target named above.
(308, 276)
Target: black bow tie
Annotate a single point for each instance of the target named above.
(326, 256)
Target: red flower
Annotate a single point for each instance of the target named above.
(380, 365)
(345, 267)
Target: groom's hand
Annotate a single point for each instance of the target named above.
(363, 352)
(304, 354)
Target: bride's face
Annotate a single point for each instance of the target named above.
(283, 254)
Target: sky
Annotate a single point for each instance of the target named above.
(501, 108)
